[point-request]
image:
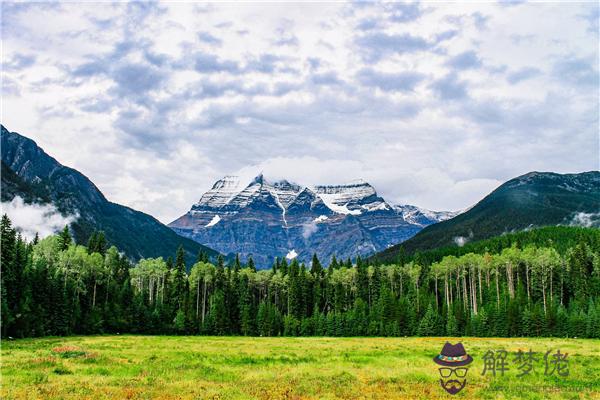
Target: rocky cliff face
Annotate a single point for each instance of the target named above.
(266, 219)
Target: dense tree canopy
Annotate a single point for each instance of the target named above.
(522, 288)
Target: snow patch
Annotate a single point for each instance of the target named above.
(215, 220)
(330, 202)
(278, 201)
(221, 193)
(376, 206)
(320, 218)
(291, 255)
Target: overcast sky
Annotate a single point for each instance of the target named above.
(434, 104)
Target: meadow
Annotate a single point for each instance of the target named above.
(196, 367)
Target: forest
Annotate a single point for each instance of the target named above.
(545, 282)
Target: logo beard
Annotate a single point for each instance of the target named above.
(453, 386)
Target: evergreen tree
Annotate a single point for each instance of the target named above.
(97, 243)
(362, 282)
(250, 264)
(334, 263)
(542, 288)
(237, 265)
(428, 325)
(451, 324)
(65, 238)
(246, 314)
(294, 305)
(316, 269)
(9, 273)
(179, 276)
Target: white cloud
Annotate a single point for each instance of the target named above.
(154, 114)
(586, 219)
(308, 229)
(29, 219)
(460, 241)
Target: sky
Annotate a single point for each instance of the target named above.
(434, 104)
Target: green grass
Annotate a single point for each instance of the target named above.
(194, 367)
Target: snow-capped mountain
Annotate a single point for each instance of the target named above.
(275, 219)
(420, 216)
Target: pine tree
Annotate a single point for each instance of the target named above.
(250, 264)
(237, 265)
(294, 300)
(334, 263)
(9, 273)
(317, 290)
(428, 325)
(246, 317)
(362, 282)
(218, 314)
(178, 285)
(65, 238)
(97, 243)
(202, 257)
(451, 324)
(316, 269)
(283, 266)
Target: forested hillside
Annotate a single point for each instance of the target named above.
(55, 287)
(532, 200)
(561, 238)
(28, 172)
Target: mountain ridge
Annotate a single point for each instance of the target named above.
(38, 177)
(345, 220)
(534, 199)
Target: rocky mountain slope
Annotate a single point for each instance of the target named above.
(30, 173)
(266, 219)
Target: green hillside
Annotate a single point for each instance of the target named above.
(30, 173)
(532, 200)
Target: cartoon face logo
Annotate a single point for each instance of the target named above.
(453, 373)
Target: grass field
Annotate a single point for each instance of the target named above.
(152, 367)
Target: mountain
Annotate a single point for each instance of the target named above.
(266, 219)
(532, 200)
(30, 173)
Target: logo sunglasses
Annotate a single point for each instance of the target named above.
(459, 372)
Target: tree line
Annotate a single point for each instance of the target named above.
(54, 286)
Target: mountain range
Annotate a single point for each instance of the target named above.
(266, 219)
(28, 172)
(531, 200)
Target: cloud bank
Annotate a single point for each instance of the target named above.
(29, 219)
(434, 104)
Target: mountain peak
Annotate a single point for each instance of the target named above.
(272, 218)
(260, 179)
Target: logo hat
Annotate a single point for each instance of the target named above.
(453, 355)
